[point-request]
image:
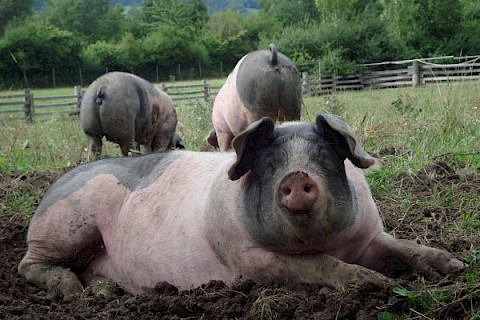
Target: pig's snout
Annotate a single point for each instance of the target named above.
(298, 192)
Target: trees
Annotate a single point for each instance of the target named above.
(91, 20)
(288, 12)
(28, 47)
(96, 34)
(14, 10)
(226, 37)
(425, 27)
(466, 40)
(182, 14)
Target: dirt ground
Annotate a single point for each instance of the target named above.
(245, 299)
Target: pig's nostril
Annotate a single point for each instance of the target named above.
(307, 189)
(287, 191)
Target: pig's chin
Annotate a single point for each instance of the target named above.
(308, 228)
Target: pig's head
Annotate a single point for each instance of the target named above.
(296, 194)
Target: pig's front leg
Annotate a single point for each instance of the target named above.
(387, 254)
(322, 269)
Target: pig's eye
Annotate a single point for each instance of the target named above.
(266, 162)
(328, 160)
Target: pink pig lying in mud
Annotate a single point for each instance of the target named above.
(264, 83)
(290, 204)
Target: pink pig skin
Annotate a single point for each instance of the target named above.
(263, 84)
(187, 218)
(229, 115)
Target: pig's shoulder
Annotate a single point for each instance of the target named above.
(357, 179)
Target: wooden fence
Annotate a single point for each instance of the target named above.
(191, 92)
(38, 108)
(416, 73)
(27, 107)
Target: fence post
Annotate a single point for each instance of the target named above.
(415, 74)
(305, 83)
(54, 82)
(206, 91)
(80, 75)
(319, 78)
(28, 106)
(78, 96)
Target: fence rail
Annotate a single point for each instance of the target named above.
(70, 104)
(24, 106)
(29, 106)
(412, 74)
(193, 92)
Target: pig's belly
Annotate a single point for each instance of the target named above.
(138, 274)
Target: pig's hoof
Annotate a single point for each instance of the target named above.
(433, 262)
(57, 280)
(102, 287)
(455, 265)
(365, 276)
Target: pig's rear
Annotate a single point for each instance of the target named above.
(268, 84)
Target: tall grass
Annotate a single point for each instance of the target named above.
(428, 123)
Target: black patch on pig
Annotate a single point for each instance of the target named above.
(135, 173)
(268, 169)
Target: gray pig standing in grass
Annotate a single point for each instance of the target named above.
(264, 83)
(290, 204)
(126, 109)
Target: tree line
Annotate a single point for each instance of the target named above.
(83, 38)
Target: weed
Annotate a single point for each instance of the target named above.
(471, 221)
(404, 105)
(270, 302)
(331, 104)
(265, 305)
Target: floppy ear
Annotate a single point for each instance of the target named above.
(258, 135)
(336, 132)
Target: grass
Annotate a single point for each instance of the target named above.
(412, 128)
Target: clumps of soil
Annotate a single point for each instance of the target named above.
(438, 174)
(18, 185)
(395, 150)
(245, 299)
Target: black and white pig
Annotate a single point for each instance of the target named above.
(289, 204)
(125, 109)
(264, 83)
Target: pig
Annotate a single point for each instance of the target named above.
(126, 109)
(290, 203)
(176, 142)
(264, 83)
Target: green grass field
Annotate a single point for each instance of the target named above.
(431, 122)
(411, 130)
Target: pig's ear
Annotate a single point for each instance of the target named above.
(258, 135)
(336, 131)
